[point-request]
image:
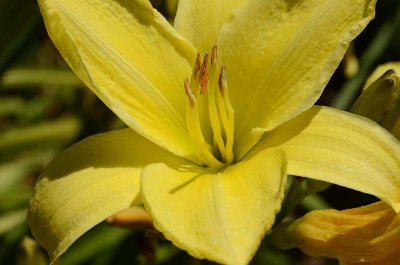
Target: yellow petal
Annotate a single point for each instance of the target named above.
(279, 55)
(221, 216)
(200, 21)
(88, 182)
(368, 234)
(130, 57)
(342, 148)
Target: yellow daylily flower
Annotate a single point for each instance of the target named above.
(368, 235)
(208, 163)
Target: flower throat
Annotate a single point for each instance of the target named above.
(207, 93)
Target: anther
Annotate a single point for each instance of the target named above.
(197, 65)
(204, 75)
(214, 54)
(189, 93)
(222, 80)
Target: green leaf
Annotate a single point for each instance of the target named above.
(26, 77)
(60, 131)
(11, 219)
(98, 240)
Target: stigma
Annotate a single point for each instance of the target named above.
(209, 113)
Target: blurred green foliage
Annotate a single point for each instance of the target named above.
(44, 108)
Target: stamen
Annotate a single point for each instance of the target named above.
(214, 55)
(195, 132)
(218, 115)
(197, 65)
(204, 75)
(222, 80)
(189, 93)
(212, 106)
(194, 80)
(227, 114)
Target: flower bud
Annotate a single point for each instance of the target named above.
(380, 99)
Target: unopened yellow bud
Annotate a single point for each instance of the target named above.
(380, 100)
(377, 100)
(380, 70)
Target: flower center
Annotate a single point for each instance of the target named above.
(209, 113)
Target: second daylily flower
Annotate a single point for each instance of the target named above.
(211, 137)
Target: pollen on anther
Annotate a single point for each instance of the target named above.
(197, 66)
(204, 75)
